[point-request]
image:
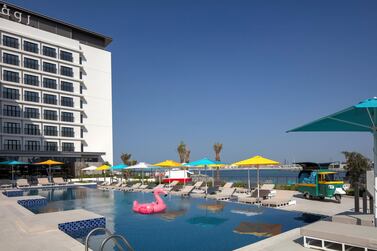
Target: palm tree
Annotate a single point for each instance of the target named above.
(217, 147)
(187, 155)
(181, 149)
(126, 158)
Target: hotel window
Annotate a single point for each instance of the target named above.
(80, 60)
(31, 96)
(31, 63)
(51, 131)
(12, 144)
(67, 117)
(12, 111)
(81, 118)
(68, 147)
(66, 86)
(66, 101)
(11, 76)
(50, 99)
(48, 67)
(10, 41)
(50, 115)
(49, 83)
(10, 59)
(31, 80)
(80, 74)
(10, 93)
(66, 71)
(67, 56)
(81, 89)
(32, 145)
(31, 47)
(51, 146)
(32, 113)
(12, 128)
(31, 129)
(48, 51)
(67, 132)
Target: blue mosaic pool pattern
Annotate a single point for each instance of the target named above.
(79, 229)
(13, 193)
(33, 202)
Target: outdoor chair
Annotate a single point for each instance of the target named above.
(224, 194)
(281, 199)
(59, 181)
(22, 183)
(44, 182)
(130, 188)
(185, 191)
(141, 188)
(151, 189)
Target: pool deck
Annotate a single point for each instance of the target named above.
(23, 230)
(292, 240)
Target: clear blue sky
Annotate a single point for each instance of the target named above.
(238, 72)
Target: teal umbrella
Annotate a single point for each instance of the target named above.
(361, 117)
(204, 163)
(119, 167)
(13, 163)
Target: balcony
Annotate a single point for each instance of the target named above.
(12, 130)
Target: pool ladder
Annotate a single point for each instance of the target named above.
(110, 236)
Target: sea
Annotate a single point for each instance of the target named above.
(276, 176)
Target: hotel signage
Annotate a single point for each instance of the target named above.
(14, 15)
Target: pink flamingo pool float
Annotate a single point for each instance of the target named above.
(153, 207)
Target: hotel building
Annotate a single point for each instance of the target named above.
(55, 90)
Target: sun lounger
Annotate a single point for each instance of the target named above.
(44, 182)
(169, 187)
(22, 183)
(185, 191)
(151, 189)
(131, 188)
(141, 188)
(253, 198)
(327, 235)
(59, 181)
(226, 185)
(224, 194)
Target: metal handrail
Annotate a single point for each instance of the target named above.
(107, 231)
(115, 236)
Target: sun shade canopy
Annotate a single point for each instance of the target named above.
(205, 162)
(358, 118)
(168, 163)
(256, 161)
(103, 168)
(49, 162)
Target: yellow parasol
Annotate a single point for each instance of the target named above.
(103, 168)
(168, 164)
(49, 163)
(256, 161)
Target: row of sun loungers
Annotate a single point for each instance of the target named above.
(22, 183)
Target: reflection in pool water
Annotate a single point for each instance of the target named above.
(258, 229)
(188, 223)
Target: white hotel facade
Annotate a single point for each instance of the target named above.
(56, 95)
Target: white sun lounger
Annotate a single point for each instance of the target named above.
(44, 182)
(131, 188)
(185, 191)
(59, 181)
(140, 188)
(22, 183)
(224, 194)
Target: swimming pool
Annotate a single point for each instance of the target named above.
(188, 223)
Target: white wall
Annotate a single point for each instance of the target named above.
(98, 107)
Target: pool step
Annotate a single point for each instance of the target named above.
(115, 237)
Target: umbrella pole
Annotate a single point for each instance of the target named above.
(375, 177)
(258, 183)
(248, 179)
(205, 168)
(12, 176)
(142, 177)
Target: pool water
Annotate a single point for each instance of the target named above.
(188, 223)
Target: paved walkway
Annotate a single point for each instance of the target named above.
(291, 240)
(22, 230)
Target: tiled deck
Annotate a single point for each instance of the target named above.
(23, 230)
